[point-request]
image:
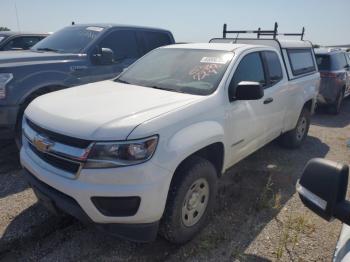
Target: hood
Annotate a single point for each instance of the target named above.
(104, 110)
(15, 58)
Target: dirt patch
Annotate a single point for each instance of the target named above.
(258, 217)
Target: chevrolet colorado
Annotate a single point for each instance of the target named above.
(144, 151)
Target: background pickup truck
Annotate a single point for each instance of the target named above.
(75, 55)
(145, 150)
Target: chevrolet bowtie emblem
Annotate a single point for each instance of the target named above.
(42, 143)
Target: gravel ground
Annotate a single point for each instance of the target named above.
(259, 217)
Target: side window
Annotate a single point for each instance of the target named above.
(123, 43)
(301, 61)
(155, 39)
(339, 61)
(28, 42)
(250, 68)
(348, 58)
(273, 66)
(13, 44)
(22, 43)
(342, 61)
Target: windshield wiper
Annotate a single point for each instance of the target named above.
(48, 49)
(121, 81)
(166, 89)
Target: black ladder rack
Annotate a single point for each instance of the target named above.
(274, 33)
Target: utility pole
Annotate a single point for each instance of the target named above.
(18, 27)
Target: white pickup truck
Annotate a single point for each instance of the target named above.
(142, 153)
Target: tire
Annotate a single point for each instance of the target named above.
(335, 108)
(190, 200)
(18, 129)
(294, 138)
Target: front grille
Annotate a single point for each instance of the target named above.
(67, 140)
(66, 165)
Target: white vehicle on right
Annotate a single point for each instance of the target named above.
(145, 150)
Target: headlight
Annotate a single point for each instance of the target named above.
(4, 79)
(116, 154)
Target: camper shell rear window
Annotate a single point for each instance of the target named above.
(301, 61)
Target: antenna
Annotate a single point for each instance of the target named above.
(275, 30)
(18, 27)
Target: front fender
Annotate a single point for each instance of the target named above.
(187, 141)
(38, 80)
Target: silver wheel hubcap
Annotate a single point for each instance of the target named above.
(195, 202)
(301, 129)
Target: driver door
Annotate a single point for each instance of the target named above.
(245, 120)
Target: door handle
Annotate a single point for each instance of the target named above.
(268, 100)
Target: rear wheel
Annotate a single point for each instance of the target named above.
(335, 108)
(191, 198)
(294, 138)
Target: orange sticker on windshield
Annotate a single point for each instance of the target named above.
(202, 71)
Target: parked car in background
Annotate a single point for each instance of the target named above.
(12, 41)
(75, 55)
(144, 151)
(322, 188)
(334, 66)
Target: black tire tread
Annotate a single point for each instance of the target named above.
(184, 175)
(333, 108)
(288, 139)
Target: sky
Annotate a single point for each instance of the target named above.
(327, 22)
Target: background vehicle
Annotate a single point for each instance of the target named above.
(11, 41)
(146, 149)
(73, 56)
(322, 188)
(334, 66)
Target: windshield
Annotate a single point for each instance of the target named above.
(190, 71)
(72, 39)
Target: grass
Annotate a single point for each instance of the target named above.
(293, 228)
(269, 198)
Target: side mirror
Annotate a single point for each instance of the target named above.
(105, 57)
(322, 188)
(249, 91)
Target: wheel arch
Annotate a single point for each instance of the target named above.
(41, 91)
(31, 96)
(214, 153)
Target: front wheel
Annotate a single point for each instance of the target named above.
(295, 137)
(18, 128)
(191, 197)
